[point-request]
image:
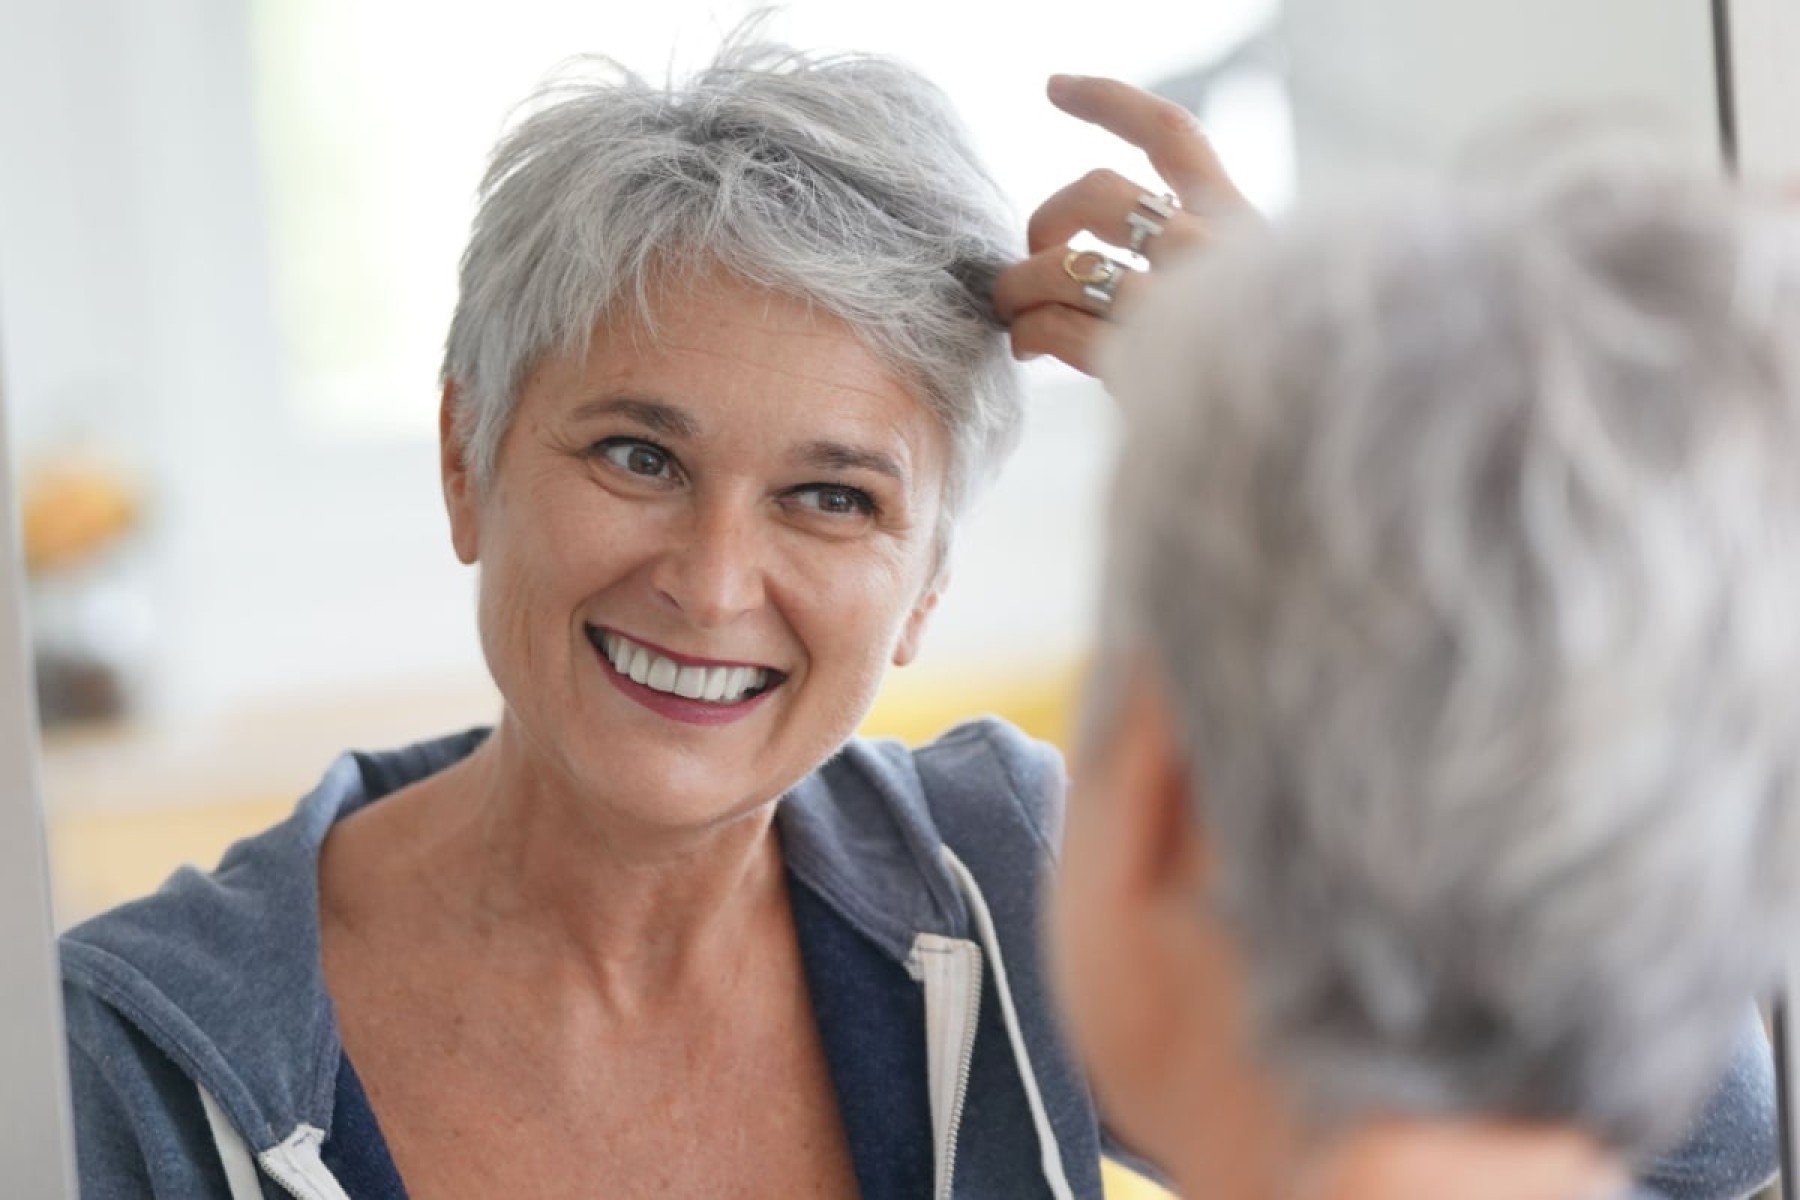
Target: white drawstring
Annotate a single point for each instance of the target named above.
(1049, 1150)
(240, 1168)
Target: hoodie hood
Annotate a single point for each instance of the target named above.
(264, 1043)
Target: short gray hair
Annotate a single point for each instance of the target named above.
(1466, 526)
(847, 181)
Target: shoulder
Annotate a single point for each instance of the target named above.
(867, 830)
(140, 1128)
(1733, 1145)
(988, 770)
(211, 981)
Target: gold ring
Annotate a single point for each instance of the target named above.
(1099, 270)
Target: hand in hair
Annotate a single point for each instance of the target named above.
(1045, 306)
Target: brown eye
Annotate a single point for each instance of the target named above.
(637, 458)
(835, 500)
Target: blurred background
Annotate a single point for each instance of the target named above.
(228, 239)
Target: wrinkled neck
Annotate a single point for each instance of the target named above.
(645, 909)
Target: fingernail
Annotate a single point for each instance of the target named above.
(1060, 84)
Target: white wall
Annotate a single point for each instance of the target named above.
(1392, 84)
(1765, 37)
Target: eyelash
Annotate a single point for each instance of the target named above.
(863, 503)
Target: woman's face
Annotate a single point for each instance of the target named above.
(699, 552)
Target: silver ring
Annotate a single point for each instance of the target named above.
(1143, 228)
(1164, 206)
(1099, 290)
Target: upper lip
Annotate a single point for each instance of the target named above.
(675, 656)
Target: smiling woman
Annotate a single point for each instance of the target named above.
(723, 372)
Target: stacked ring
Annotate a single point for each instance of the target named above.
(1097, 274)
(1143, 228)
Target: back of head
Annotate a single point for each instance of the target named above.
(1467, 527)
(844, 180)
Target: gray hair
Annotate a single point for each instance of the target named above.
(846, 181)
(1466, 528)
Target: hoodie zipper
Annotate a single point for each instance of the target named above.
(964, 1069)
(950, 970)
(294, 1164)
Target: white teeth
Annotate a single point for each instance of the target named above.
(690, 682)
(715, 685)
(717, 680)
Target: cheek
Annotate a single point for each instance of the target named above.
(849, 609)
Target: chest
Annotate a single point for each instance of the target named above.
(484, 1103)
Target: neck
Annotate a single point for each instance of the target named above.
(1249, 1146)
(540, 869)
(1463, 1160)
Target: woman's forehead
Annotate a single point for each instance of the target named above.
(733, 350)
(750, 369)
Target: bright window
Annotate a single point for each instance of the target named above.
(376, 118)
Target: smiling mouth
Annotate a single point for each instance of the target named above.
(723, 684)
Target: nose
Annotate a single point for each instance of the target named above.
(712, 570)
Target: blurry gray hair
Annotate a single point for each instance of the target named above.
(1465, 528)
(846, 181)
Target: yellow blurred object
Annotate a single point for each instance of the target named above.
(101, 859)
(73, 510)
(916, 705)
(1122, 1184)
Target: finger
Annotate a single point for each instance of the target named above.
(1061, 332)
(1104, 203)
(1042, 279)
(1162, 129)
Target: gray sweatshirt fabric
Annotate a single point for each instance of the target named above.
(198, 1017)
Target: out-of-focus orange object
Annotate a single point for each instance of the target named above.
(71, 511)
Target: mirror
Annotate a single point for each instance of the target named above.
(34, 1129)
(229, 236)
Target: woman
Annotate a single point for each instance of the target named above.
(1438, 800)
(724, 371)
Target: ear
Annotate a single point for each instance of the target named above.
(459, 482)
(1162, 846)
(912, 634)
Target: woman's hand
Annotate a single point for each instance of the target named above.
(1058, 301)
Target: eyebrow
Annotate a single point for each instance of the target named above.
(839, 456)
(655, 415)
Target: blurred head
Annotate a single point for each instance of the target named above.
(722, 374)
(1444, 759)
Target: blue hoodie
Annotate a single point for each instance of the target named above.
(205, 1055)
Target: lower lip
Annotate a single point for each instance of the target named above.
(680, 708)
